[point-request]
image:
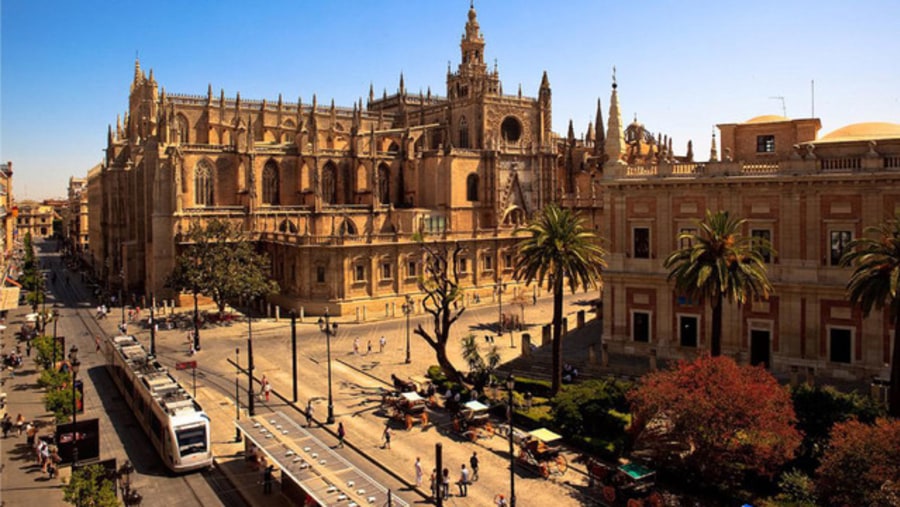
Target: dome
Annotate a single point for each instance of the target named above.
(863, 131)
(767, 118)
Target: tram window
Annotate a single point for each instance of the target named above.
(156, 427)
(191, 440)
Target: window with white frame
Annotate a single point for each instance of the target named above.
(508, 261)
(359, 273)
(412, 269)
(463, 265)
(386, 271)
(488, 262)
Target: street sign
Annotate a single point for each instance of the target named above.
(184, 365)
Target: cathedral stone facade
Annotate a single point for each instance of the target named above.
(334, 194)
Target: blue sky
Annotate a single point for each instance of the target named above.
(682, 66)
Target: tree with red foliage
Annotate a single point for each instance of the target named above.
(861, 465)
(715, 420)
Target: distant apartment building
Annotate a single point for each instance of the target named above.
(35, 218)
(75, 217)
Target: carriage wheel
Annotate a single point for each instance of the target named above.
(561, 464)
(635, 502)
(655, 499)
(545, 470)
(489, 428)
(609, 494)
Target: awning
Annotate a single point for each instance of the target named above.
(475, 406)
(544, 435)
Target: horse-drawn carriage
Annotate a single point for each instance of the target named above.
(406, 407)
(630, 485)
(473, 421)
(540, 452)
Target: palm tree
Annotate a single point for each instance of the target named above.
(559, 247)
(875, 282)
(718, 262)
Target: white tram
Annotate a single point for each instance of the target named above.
(176, 424)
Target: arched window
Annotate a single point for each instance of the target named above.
(181, 124)
(203, 184)
(348, 228)
(511, 129)
(472, 187)
(384, 184)
(463, 133)
(270, 185)
(329, 184)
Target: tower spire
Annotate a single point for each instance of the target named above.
(713, 153)
(600, 135)
(615, 141)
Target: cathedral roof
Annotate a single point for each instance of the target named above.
(864, 131)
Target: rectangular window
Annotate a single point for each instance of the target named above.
(411, 270)
(320, 274)
(765, 236)
(359, 273)
(765, 144)
(687, 330)
(640, 326)
(507, 261)
(488, 263)
(641, 243)
(386, 271)
(840, 344)
(434, 224)
(463, 265)
(687, 242)
(839, 242)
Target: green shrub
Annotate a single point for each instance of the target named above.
(536, 387)
(592, 408)
(52, 379)
(60, 402)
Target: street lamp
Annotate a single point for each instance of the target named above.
(237, 392)
(510, 384)
(75, 365)
(251, 409)
(407, 309)
(129, 496)
(500, 289)
(55, 318)
(329, 328)
(196, 323)
(294, 350)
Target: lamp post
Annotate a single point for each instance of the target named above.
(152, 327)
(407, 309)
(501, 288)
(510, 384)
(250, 407)
(129, 496)
(122, 302)
(75, 365)
(196, 323)
(329, 328)
(237, 392)
(55, 318)
(294, 350)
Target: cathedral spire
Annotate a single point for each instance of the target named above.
(600, 136)
(713, 153)
(402, 87)
(615, 141)
(371, 92)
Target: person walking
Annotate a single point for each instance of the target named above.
(6, 425)
(435, 488)
(463, 481)
(473, 463)
(97, 343)
(267, 389)
(419, 473)
(381, 343)
(368, 347)
(445, 483)
(341, 434)
(20, 424)
(309, 414)
(30, 432)
(267, 479)
(387, 437)
(263, 385)
(356, 345)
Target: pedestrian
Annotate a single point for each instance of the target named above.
(445, 484)
(387, 437)
(28, 348)
(266, 388)
(267, 479)
(463, 481)
(419, 473)
(501, 501)
(20, 424)
(473, 462)
(341, 434)
(30, 432)
(97, 343)
(368, 347)
(5, 425)
(381, 343)
(309, 414)
(534, 298)
(528, 400)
